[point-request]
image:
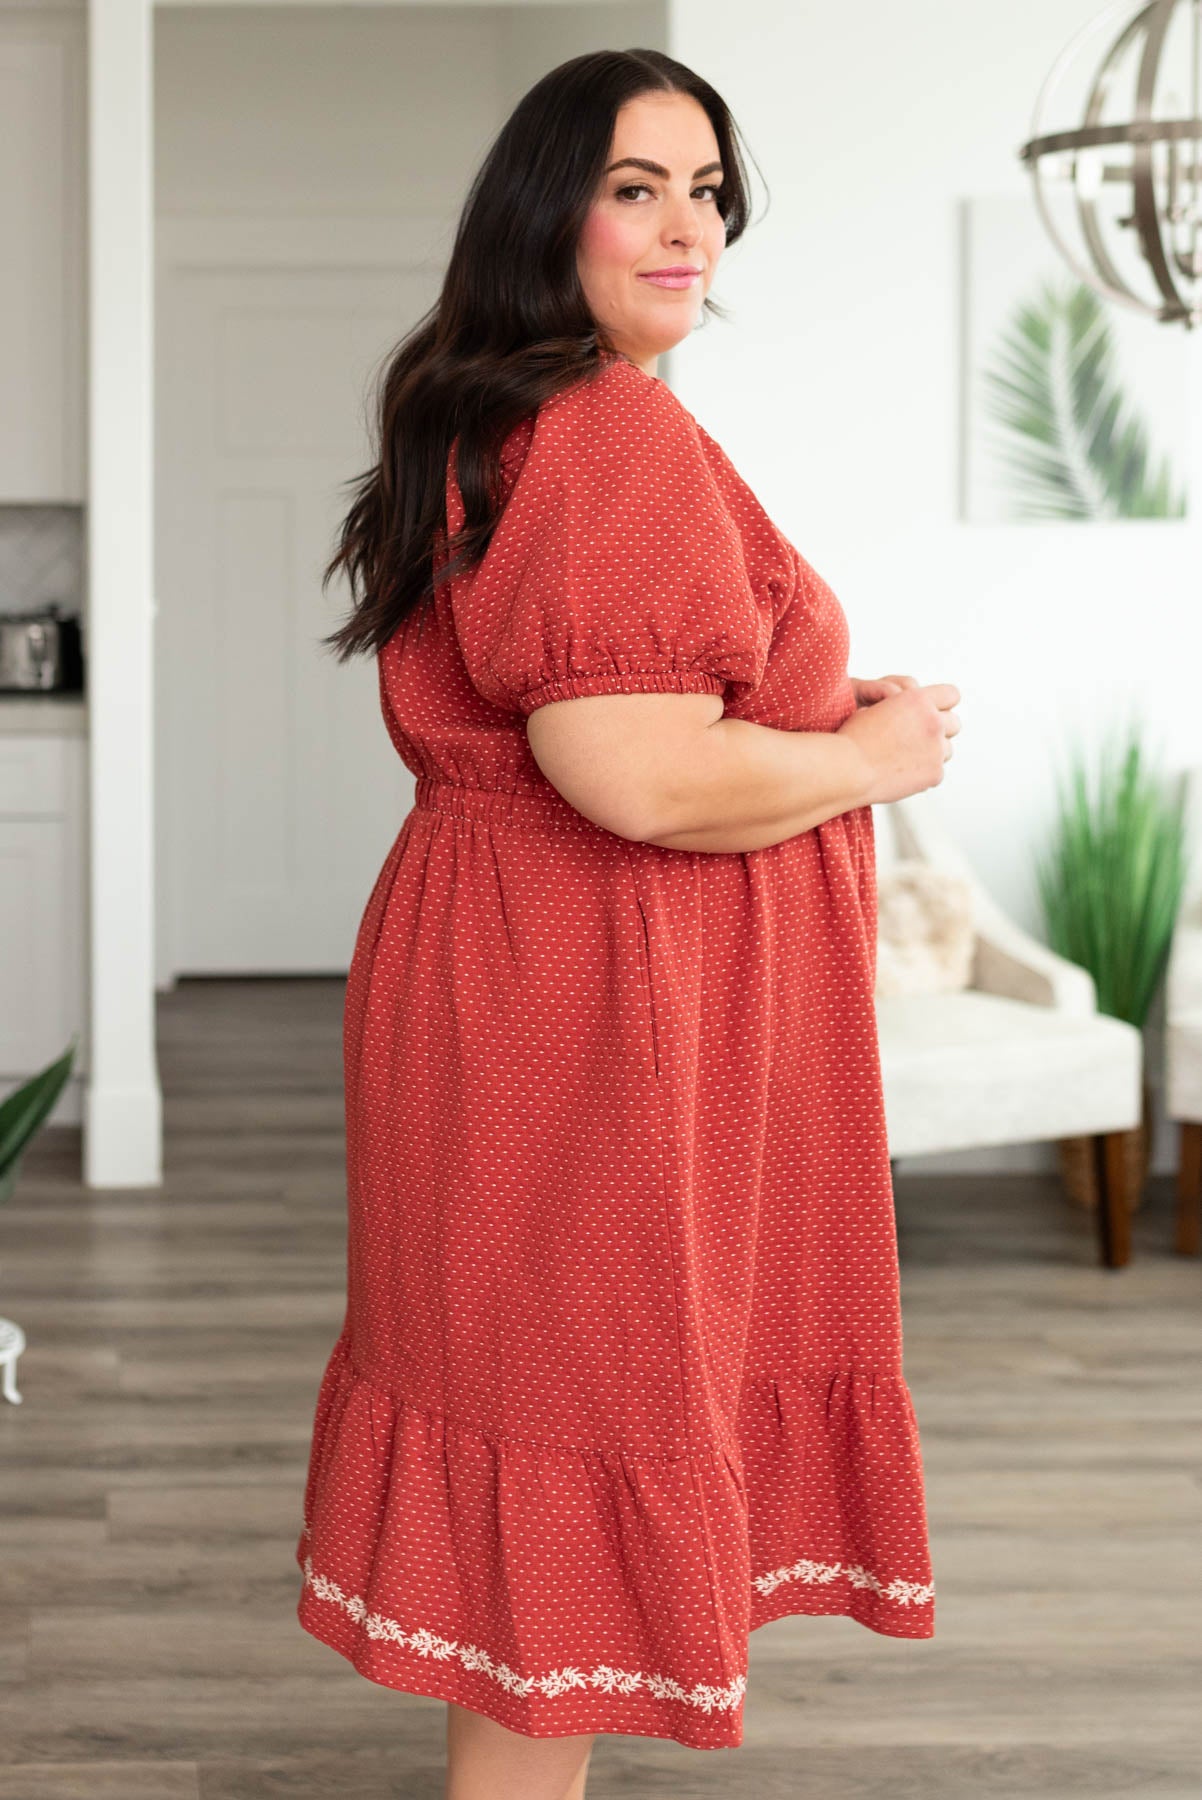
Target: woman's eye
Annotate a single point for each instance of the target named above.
(641, 187)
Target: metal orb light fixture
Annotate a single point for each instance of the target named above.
(1149, 157)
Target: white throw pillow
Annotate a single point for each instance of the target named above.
(925, 930)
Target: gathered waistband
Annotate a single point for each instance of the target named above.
(535, 809)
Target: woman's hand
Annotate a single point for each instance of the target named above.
(867, 692)
(903, 733)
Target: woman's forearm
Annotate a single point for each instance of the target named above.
(749, 786)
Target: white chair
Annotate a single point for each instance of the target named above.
(1021, 1054)
(1183, 1032)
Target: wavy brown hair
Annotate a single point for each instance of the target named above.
(511, 326)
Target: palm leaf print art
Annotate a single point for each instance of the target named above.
(1075, 448)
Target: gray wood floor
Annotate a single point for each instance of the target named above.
(149, 1485)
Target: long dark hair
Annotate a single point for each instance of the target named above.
(510, 328)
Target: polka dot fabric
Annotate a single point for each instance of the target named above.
(620, 1375)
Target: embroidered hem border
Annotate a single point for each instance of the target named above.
(612, 1681)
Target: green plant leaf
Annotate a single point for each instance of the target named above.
(1073, 446)
(25, 1109)
(1113, 874)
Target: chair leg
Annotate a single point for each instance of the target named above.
(1188, 1239)
(1113, 1209)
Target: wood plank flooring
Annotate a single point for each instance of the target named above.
(150, 1485)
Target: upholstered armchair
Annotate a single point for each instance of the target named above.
(1183, 1033)
(1020, 1053)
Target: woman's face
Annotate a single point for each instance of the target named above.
(648, 218)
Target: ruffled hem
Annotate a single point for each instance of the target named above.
(561, 1591)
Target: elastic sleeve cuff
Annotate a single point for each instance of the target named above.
(623, 681)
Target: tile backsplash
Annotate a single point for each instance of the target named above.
(41, 557)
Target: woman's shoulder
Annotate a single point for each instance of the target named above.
(618, 398)
(618, 423)
(614, 393)
(616, 427)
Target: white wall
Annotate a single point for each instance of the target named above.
(333, 109)
(321, 110)
(538, 37)
(836, 391)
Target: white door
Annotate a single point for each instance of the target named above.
(279, 792)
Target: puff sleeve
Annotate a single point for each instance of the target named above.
(617, 566)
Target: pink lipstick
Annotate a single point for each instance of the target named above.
(676, 277)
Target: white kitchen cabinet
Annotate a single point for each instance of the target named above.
(43, 792)
(42, 229)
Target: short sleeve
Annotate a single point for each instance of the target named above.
(617, 566)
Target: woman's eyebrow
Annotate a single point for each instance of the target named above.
(654, 168)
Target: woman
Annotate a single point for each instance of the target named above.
(620, 1376)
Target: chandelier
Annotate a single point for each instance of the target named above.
(1126, 179)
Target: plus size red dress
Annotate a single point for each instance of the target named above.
(620, 1377)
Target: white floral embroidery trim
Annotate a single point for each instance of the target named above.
(613, 1681)
(559, 1681)
(906, 1593)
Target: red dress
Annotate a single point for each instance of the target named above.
(620, 1377)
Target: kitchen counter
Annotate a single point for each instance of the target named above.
(56, 714)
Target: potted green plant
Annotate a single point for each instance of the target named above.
(24, 1110)
(1111, 886)
(21, 1114)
